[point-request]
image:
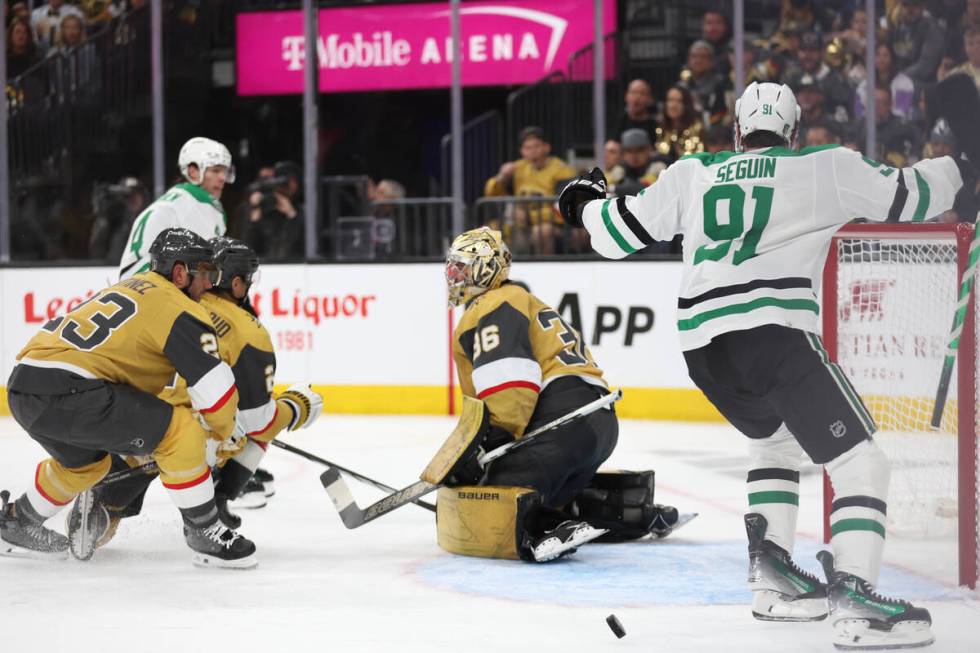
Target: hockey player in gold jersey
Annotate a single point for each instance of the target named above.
(88, 383)
(528, 366)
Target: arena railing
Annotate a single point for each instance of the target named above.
(483, 151)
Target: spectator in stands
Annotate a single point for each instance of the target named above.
(971, 45)
(837, 94)
(385, 190)
(898, 141)
(681, 130)
(19, 10)
(46, 20)
(274, 228)
(955, 52)
(901, 86)
(941, 141)
(612, 156)
(639, 167)
(820, 135)
(705, 82)
(22, 52)
(854, 42)
(99, 12)
(116, 207)
(809, 95)
(716, 31)
(639, 109)
(917, 43)
(535, 174)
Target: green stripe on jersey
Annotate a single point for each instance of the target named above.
(613, 231)
(846, 525)
(923, 205)
(773, 496)
(734, 309)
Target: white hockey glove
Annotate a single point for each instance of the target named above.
(306, 404)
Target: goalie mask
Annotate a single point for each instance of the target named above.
(204, 153)
(767, 107)
(478, 261)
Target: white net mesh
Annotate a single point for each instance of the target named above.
(896, 300)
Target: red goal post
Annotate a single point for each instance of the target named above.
(889, 295)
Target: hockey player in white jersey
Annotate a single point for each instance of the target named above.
(757, 224)
(194, 205)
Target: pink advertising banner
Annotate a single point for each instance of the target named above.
(387, 47)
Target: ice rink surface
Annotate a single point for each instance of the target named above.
(388, 587)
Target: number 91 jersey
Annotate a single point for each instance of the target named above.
(509, 346)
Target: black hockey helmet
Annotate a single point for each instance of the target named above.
(233, 258)
(175, 245)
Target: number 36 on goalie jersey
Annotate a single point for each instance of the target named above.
(508, 346)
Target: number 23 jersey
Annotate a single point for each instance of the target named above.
(508, 346)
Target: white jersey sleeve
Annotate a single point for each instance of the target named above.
(871, 190)
(624, 225)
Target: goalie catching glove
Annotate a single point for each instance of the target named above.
(579, 191)
(306, 403)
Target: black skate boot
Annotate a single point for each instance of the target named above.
(23, 534)
(87, 525)
(268, 481)
(781, 591)
(251, 497)
(226, 516)
(219, 546)
(562, 540)
(865, 620)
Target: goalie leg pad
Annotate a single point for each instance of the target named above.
(462, 444)
(621, 501)
(484, 521)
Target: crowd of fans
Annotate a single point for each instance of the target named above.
(818, 49)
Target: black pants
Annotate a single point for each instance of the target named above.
(762, 377)
(79, 420)
(560, 463)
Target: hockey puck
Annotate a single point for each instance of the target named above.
(615, 626)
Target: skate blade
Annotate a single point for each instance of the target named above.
(553, 549)
(858, 635)
(14, 551)
(768, 605)
(682, 520)
(204, 560)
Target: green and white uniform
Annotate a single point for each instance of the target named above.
(184, 205)
(757, 226)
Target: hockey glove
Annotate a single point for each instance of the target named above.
(579, 191)
(306, 404)
(472, 472)
(234, 444)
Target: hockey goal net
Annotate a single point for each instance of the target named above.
(889, 296)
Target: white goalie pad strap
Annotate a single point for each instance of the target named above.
(250, 456)
(257, 420)
(506, 373)
(192, 493)
(213, 389)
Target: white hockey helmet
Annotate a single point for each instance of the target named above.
(767, 107)
(204, 153)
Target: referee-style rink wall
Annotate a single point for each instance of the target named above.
(376, 338)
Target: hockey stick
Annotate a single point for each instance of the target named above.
(349, 472)
(353, 516)
(966, 292)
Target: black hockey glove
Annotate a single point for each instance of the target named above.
(575, 194)
(966, 204)
(471, 472)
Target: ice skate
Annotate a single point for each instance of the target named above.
(219, 546)
(252, 496)
(781, 591)
(225, 515)
(864, 620)
(87, 525)
(563, 540)
(268, 481)
(24, 536)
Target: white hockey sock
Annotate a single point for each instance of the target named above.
(250, 457)
(857, 518)
(773, 484)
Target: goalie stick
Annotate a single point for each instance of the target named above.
(354, 516)
(349, 472)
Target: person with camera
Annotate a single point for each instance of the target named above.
(274, 226)
(115, 207)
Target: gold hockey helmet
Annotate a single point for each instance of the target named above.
(478, 261)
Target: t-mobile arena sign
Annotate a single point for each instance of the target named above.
(388, 47)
